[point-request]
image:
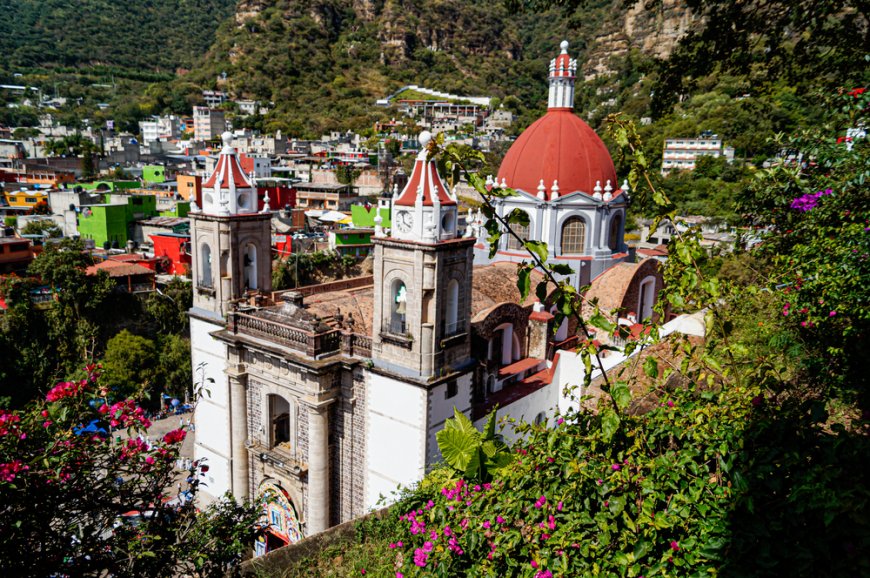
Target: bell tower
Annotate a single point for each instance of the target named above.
(422, 273)
(230, 240)
(231, 249)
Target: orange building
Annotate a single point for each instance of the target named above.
(190, 186)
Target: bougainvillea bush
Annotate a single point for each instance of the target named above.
(650, 499)
(78, 498)
(749, 455)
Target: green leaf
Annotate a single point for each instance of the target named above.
(457, 447)
(524, 281)
(518, 217)
(541, 291)
(651, 367)
(598, 320)
(621, 395)
(561, 269)
(609, 424)
(538, 248)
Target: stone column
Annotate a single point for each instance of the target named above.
(318, 469)
(238, 433)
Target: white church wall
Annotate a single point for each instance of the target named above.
(526, 408)
(441, 409)
(212, 436)
(396, 431)
(216, 481)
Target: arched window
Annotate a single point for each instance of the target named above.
(451, 309)
(613, 239)
(279, 421)
(646, 298)
(574, 236)
(522, 232)
(205, 266)
(398, 307)
(250, 262)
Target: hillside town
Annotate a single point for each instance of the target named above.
(503, 332)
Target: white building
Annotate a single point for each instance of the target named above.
(682, 153)
(208, 123)
(160, 128)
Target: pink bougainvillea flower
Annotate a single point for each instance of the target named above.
(175, 436)
(615, 467)
(675, 546)
(832, 314)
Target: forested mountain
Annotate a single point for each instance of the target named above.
(145, 35)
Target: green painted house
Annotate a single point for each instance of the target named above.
(356, 242)
(110, 223)
(109, 185)
(104, 224)
(363, 217)
(154, 174)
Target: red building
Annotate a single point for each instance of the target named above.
(175, 248)
(279, 197)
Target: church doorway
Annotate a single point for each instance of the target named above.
(280, 518)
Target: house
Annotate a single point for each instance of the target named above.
(323, 196)
(15, 254)
(175, 249)
(353, 242)
(682, 153)
(129, 277)
(208, 123)
(323, 399)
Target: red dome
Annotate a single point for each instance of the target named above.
(558, 146)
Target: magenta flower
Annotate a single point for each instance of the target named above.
(832, 314)
(615, 467)
(675, 546)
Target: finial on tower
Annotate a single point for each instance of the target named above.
(227, 138)
(563, 70)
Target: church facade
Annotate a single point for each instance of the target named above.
(324, 399)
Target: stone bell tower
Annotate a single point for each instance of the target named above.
(231, 256)
(422, 274)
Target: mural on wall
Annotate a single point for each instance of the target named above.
(280, 516)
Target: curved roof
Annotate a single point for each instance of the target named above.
(558, 147)
(227, 171)
(425, 176)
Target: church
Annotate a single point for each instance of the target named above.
(323, 399)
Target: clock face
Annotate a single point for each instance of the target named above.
(404, 221)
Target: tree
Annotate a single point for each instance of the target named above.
(167, 308)
(83, 499)
(174, 367)
(46, 228)
(129, 365)
(78, 308)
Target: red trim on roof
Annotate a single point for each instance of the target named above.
(427, 173)
(519, 366)
(540, 316)
(229, 169)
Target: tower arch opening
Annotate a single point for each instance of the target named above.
(205, 276)
(250, 266)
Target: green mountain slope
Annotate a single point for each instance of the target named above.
(324, 62)
(137, 34)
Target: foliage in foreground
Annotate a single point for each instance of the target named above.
(81, 500)
(747, 456)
